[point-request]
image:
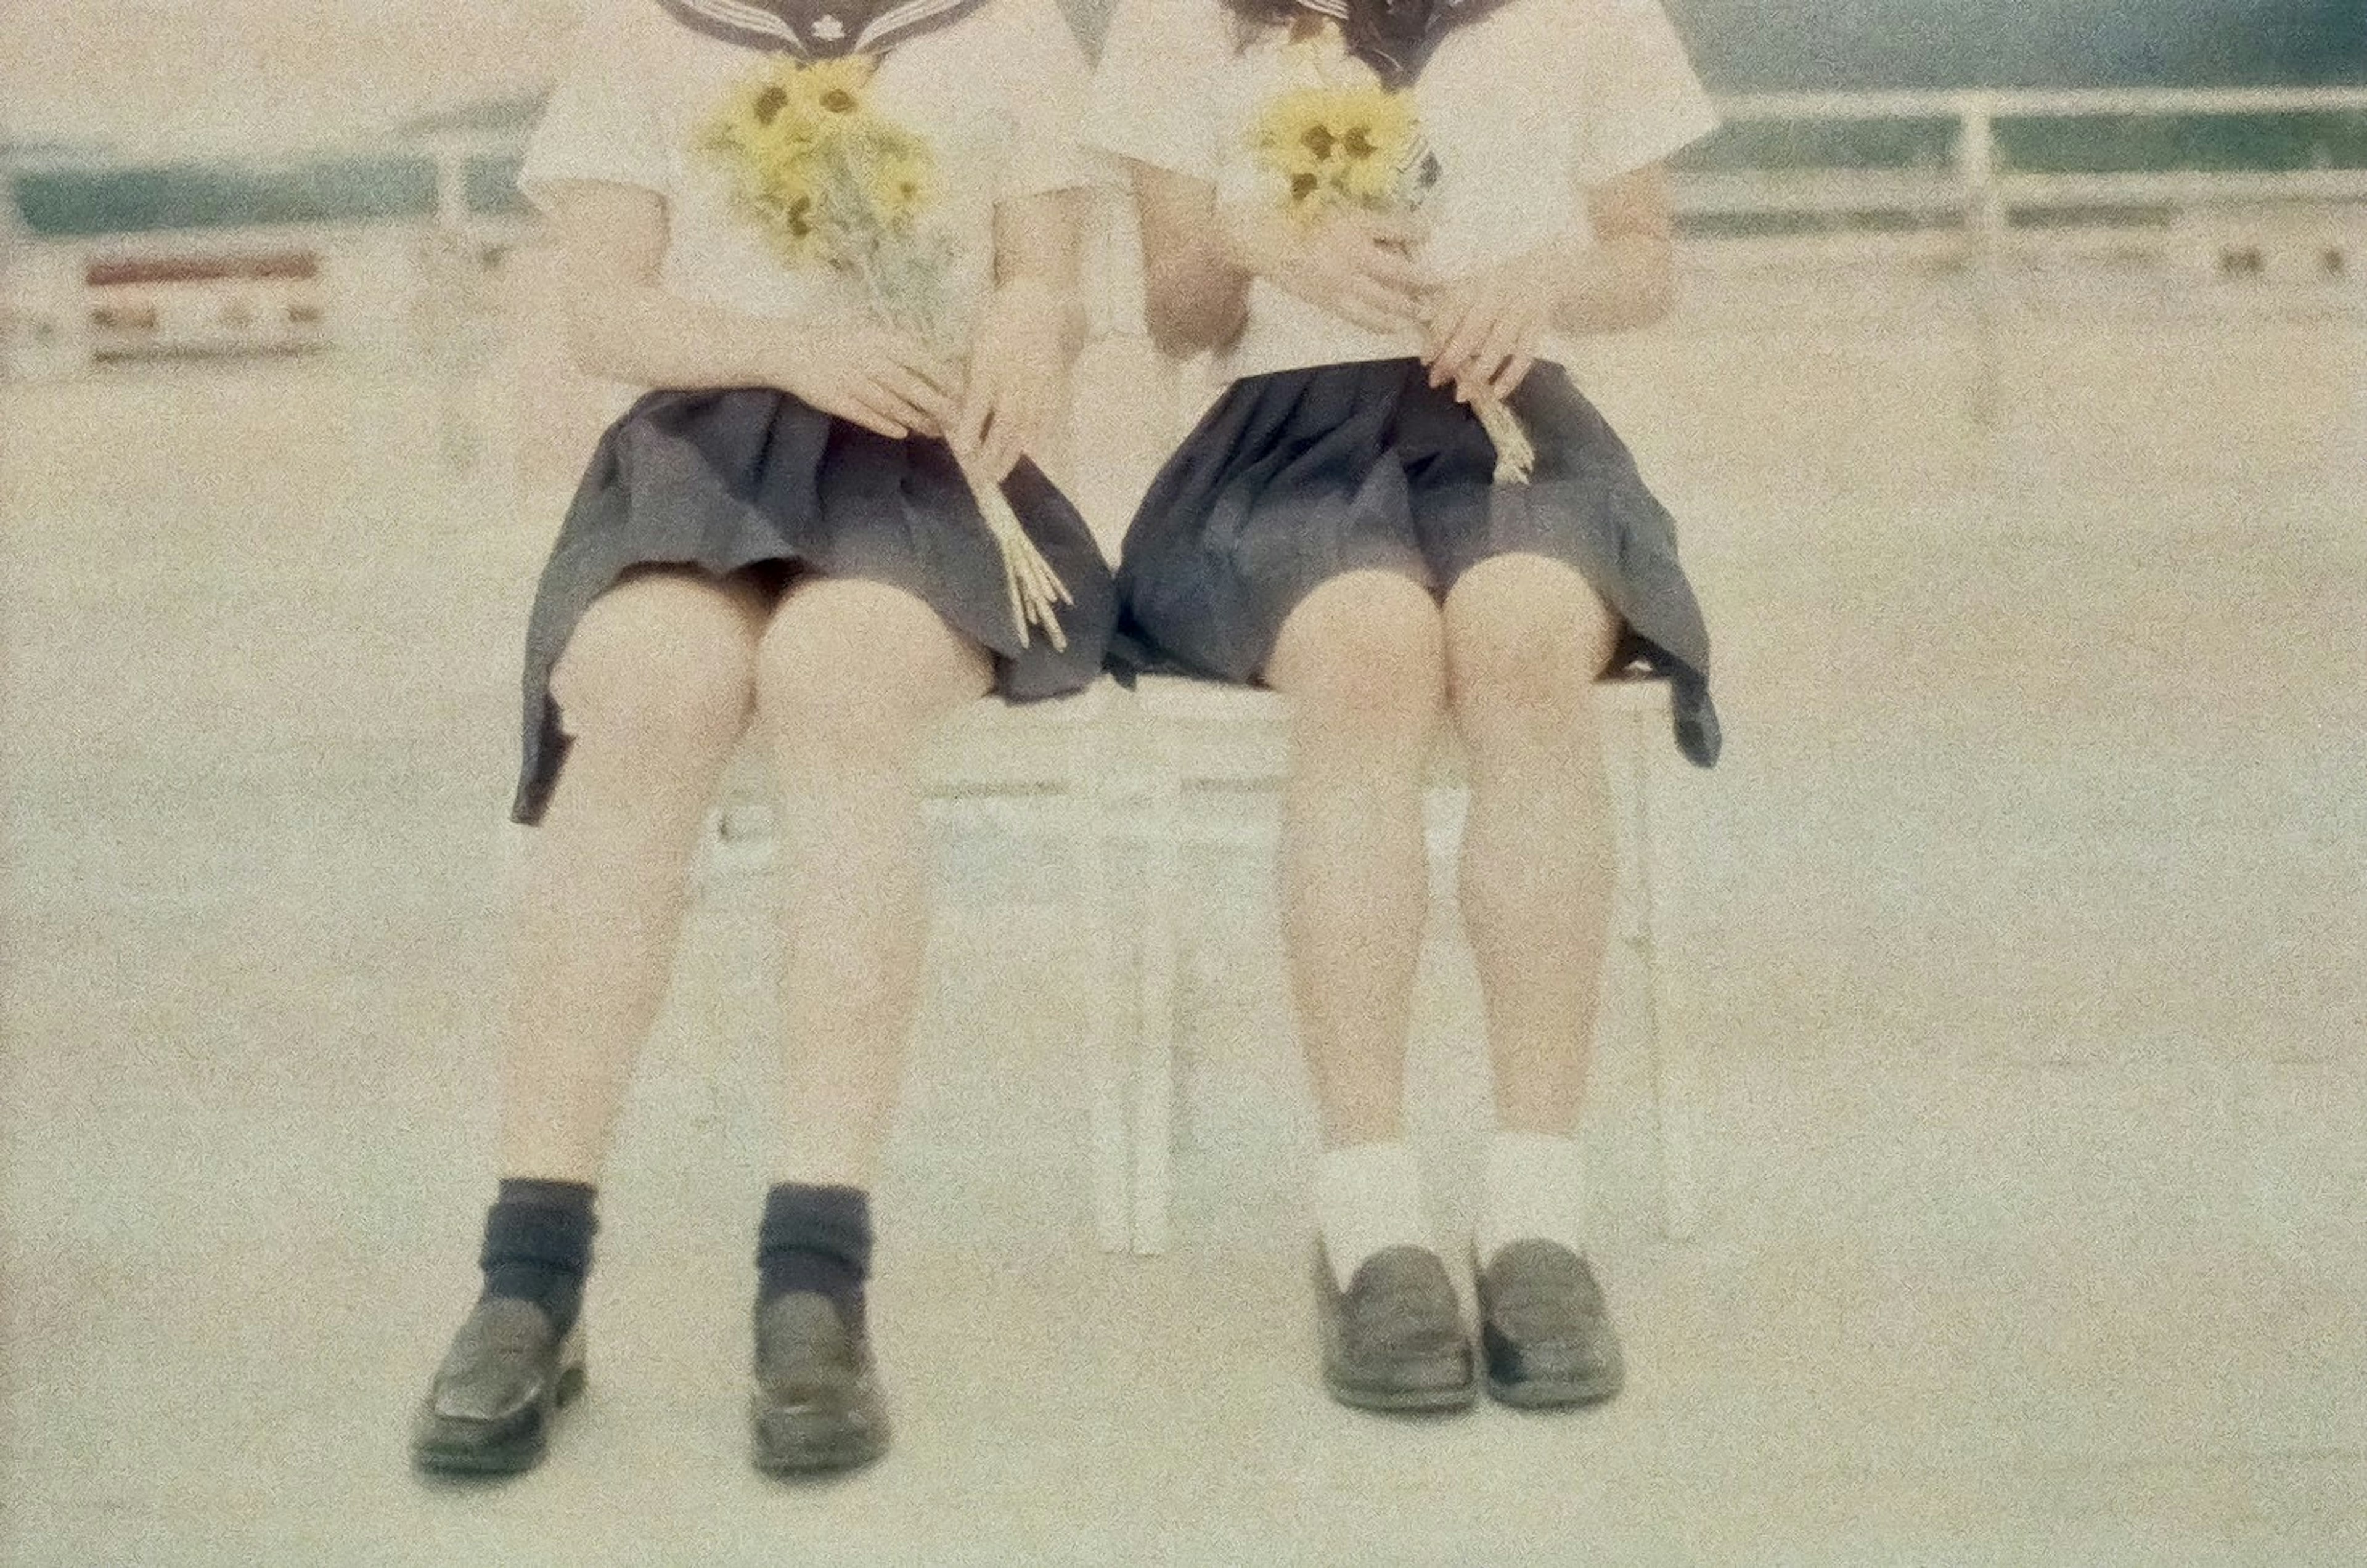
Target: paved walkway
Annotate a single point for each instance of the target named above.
(2022, 933)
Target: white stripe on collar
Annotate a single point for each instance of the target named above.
(910, 13)
(1338, 9)
(746, 19)
(736, 18)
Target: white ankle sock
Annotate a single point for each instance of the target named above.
(1535, 1189)
(1368, 1198)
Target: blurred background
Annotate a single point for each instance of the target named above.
(2015, 419)
(341, 142)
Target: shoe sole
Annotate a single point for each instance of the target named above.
(791, 1442)
(506, 1456)
(1531, 1393)
(1425, 1396)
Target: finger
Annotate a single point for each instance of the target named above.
(1462, 346)
(1408, 304)
(1399, 227)
(1409, 309)
(917, 390)
(915, 402)
(1040, 593)
(1508, 382)
(1504, 343)
(915, 358)
(1394, 232)
(893, 405)
(1018, 605)
(1368, 309)
(1398, 272)
(1032, 571)
(1444, 326)
(855, 410)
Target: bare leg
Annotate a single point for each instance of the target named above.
(1360, 659)
(655, 686)
(852, 677)
(1525, 638)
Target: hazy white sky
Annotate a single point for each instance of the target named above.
(167, 76)
(201, 76)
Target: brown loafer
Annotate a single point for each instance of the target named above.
(1394, 1339)
(816, 1404)
(490, 1409)
(1545, 1330)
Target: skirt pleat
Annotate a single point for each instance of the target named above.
(1294, 478)
(720, 481)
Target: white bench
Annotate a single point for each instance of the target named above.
(1113, 773)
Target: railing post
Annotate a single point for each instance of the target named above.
(451, 190)
(1985, 224)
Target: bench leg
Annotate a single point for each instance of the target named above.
(1672, 1059)
(1103, 958)
(1162, 892)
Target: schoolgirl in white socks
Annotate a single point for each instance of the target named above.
(1387, 219)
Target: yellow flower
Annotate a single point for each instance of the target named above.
(829, 94)
(826, 179)
(899, 186)
(1327, 145)
(1294, 136)
(794, 105)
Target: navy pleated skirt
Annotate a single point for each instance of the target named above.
(1294, 478)
(724, 480)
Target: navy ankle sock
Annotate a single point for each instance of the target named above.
(817, 1240)
(539, 1245)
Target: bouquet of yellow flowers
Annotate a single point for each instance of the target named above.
(832, 183)
(1340, 138)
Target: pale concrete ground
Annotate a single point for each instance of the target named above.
(2021, 933)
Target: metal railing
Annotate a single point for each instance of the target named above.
(1977, 188)
(1981, 190)
(1966, 210)
(1965, 204)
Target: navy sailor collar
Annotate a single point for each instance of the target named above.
(1396, 37)
(818, 29)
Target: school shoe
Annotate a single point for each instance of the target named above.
(490, 1409)
(816, 1404)
(1544, 1328)
(1395, 1340)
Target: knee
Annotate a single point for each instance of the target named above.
(822, 714)
(1363, 661)
(1526, 638)
(856, 680)
(674, 680)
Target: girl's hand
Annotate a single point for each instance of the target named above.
(1485, 327)
(883, 380)
(1358, 265)
(1017, 393)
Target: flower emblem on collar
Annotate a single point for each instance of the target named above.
(829, 29)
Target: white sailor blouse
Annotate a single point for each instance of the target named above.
(1510, 109)
(991, 91)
